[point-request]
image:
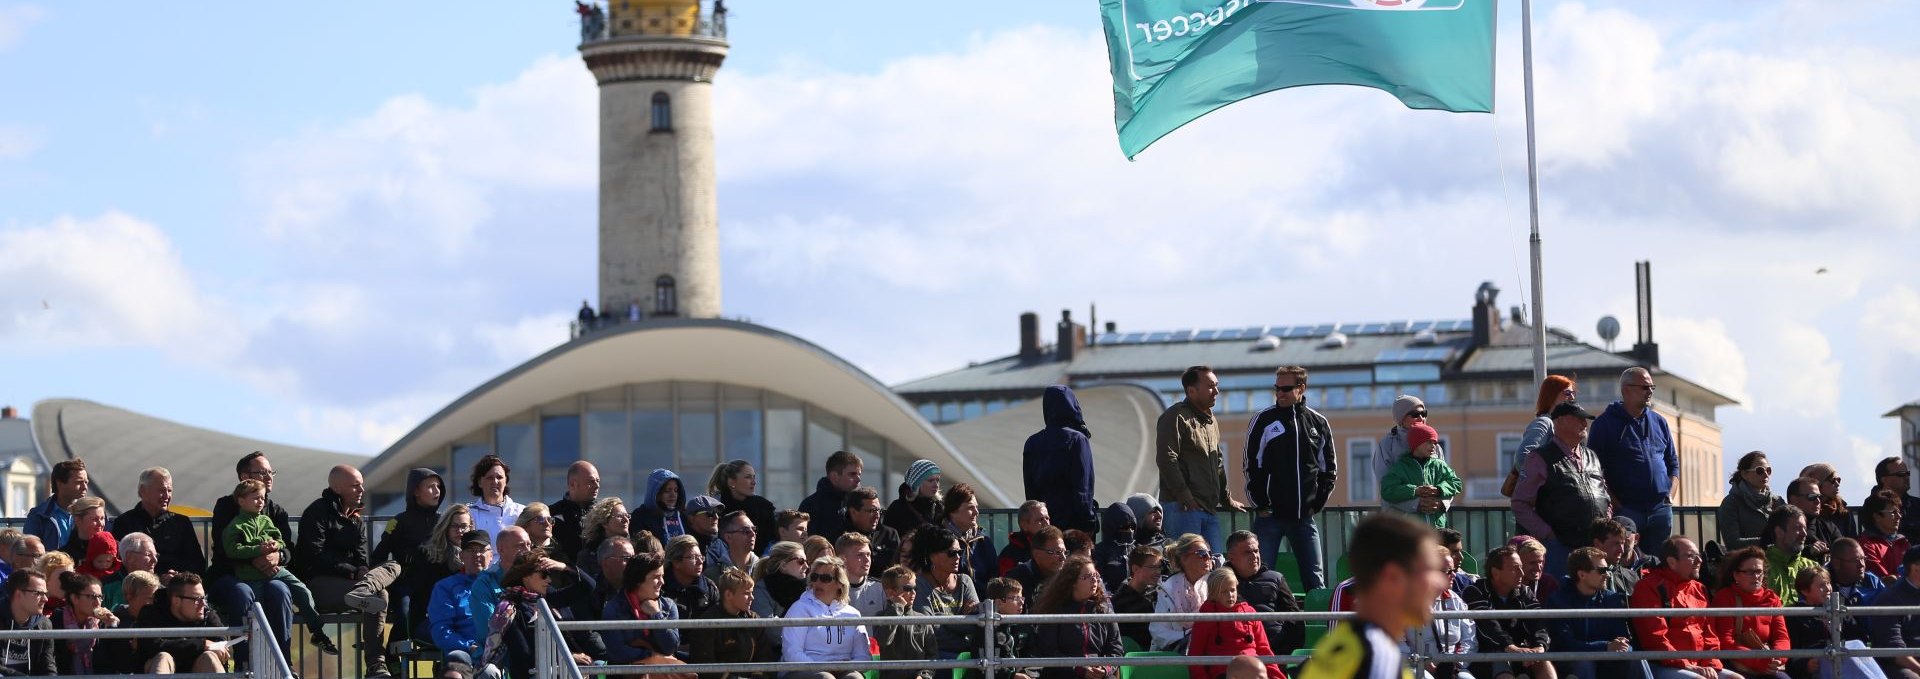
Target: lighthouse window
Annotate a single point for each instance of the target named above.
(666, 300)
(662, 112)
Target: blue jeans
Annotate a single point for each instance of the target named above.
(1556, 560)
(232, 597)
(1203, 523)
(1303, 539)
(1655, 523)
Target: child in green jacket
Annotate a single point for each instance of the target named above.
(252, 534)
(1421, 483)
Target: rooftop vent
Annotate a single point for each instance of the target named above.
(1334, 340)
(1425, 337)
(1266, 343)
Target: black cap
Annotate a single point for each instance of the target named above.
(1913, 554)
(1570, 408)
(474, 537)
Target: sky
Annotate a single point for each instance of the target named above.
(321, 227)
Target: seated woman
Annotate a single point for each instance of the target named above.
(1749, 500)
(1450, 636)
(1075, 589)
(510, 633)
(1746, 571)
(1880, 535)
(826, 597)
(644, 579)
(607, 517)
(1227, 638)
(1182, 592)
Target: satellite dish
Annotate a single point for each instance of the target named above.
(1266, 343)
(1609, 328)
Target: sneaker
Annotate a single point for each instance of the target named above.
(321, 641)
(367, 600)
(378, 669)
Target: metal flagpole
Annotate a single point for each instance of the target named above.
(1533, 198)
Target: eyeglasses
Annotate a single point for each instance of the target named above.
(1763, 471)
(954, 553)
(195, 600)
(1813, 497)
(266, 474)
(1288, 387)
(1899, 474)
(823, 577)
(1889, 512)
(1201, 553)
(749, 530)
(35, 592)
(1422, 414)
(1605, 570)
(542, 520)
(1056, 553)
(1650, 388)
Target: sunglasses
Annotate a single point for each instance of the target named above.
(1899, 474)
(1056, 553)
(1764, 471)
(1650, 388)
(953, 553)
(823, 577)
(1288, 387)
(1422, 414)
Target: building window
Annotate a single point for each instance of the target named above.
(1335, 398)
(19, 499)
(662, 112)
(1509, 454)
(666, 297)
(1361, 485)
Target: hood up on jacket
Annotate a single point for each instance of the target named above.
(1117, 524)
(1062, 409)
(658, 480)
(417, 476)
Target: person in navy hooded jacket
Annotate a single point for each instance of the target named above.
(663, 509)
(1637, 453)
(1057, 464)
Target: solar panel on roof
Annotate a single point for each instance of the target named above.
(1181, 335)
(1256, 331)
(1206, 335)
(1134, 338)
(1300, 331)
(1372, 329)
(1418, 326)
(1323, 329)
(1158, 337)
(1107, 338)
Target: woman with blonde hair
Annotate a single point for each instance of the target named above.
(780, 578)
(826, 597)
(606, 518)
(537, 521)
(89, 517)
(1182, 592)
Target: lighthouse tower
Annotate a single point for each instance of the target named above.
(659, 230)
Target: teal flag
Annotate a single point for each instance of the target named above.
(1176, 60)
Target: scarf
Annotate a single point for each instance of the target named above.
(505, 614)
(785, 589)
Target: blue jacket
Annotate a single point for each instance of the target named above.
(1583, 633)
(1896, 631)
(51, 523)
(665, 524)
(1638, 456)
(448, 617)
(484, 593)
(1057, 463)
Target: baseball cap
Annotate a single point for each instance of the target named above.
(1570, 408)
(1626, 523)
(703, 504)
(474, 537)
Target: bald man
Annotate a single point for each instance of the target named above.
(331, 554)
(583, 487)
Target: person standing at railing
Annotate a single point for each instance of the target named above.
(1501, 591)
(1900, 631)
(228, 593)
(1743, 512)
(1396, 575)
(734, 483)
(50, 520)
(826, 597)
(1787, 529)
(1182, 592)
(1193, 473)
(1586, 590)
(175, 542)
(1745, 572)
(1057, 462)
(1291, 469)
(1676, 584)
(1562, 488)
(1408, 411)
(492, 504)
(1554, 390)
(1636, 447)
(1420, 482)
(1893, 477)
(1075, 590)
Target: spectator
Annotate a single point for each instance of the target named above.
(331, 555)
(1140, 593)
(1852, 582)
(585, 317)
(608, 518)
(919, 502)
(862, 512)
(830, 495)
(1182, 593)
(137, 555)
(507, 548)
(1459, 577)
(1011, 641)
(1227, 638)
(1501, 590)
(712, 645)
(1408, 410)
(1636, 448)
(403, 547)
(703, 519)
(1633, 562)
(50, 520)
(1420, 482)
(734, 483)
(1075, 590)
(792, 525)
(644, 599)
(1608, 536)
(511, 636)
(864, 590)
(1899, 631)
(228, 594)
(1264, 589)
(251, 534)
(1804, 494)
(1833, 508)
(612, 558)
(570, 512)
(1149, 520)
(1396, 573)
(1193, 475)
(449, 613)
(26, 550)
(102, 560)
(1676, 584)
(1880, 537)
(1049, 554)
(1116, 540)
(83, 611)
(8, 538)
(492, 504)
(662, 510)
(781, 578)
(826, 597)
(944, 590)
(1291, 470)
(53, 565)
(26, 596)
(1745, 572)
(981, 562)
(1057, 463)
(173, 538)
(1788, 528)
(734, 549)
(185, 606)
(1804, 633)
(118, 656)
(1894, 478)
(1448, 636)
(816, 546)
(1743, 512)
(1554, 390)
(1032, 517)
(1562, 488)
(902, 642)
(537, 521)
(89, 517)
(684, 582)
(1586, 590)
(1533, 558)
(439, 558)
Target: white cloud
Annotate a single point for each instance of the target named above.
(1702, 350)
(525, 338)
(14, 20)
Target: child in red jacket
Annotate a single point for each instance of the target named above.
(1239, 637)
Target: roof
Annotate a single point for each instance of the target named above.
(1896, 411)
(16, 440)
(1121, 416)
(117, 444)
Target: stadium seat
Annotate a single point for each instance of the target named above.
(1320, 600)
(1468, 564)
(1288, 566)
(1129, 645)
(1340, 571)
(1154, 672)
(1315, 630)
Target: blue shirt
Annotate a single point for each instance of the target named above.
(447, 614)
(486, 593)
(1637, 455)
(51, 523)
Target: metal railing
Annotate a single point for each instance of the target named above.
(263, 651)
(263, 654)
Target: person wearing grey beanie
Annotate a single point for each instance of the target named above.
(1148, 519)
(1408, 410)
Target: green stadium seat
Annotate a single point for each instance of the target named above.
(1288, 566)
(1303, 652)
(961, 672)
(1154, 672)
(1320, 600)
(1468, 564)
(1315, 630)
(1340, 571)
(1129, 645)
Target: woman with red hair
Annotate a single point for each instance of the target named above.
(1554, 390)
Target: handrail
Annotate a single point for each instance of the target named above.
(263, 650)
(551, 657)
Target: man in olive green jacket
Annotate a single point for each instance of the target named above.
(1193, 478)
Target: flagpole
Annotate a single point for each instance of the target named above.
(1533, 197)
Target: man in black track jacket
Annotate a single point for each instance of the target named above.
(1290, 473)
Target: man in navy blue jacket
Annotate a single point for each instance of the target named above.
(1057, 464)
(1585, 588)
(1636, 451)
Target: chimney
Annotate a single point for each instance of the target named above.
(1486, 314)
(8, 413)
(1072, 337)
(1029, 336)
(1645, 350)
(1112, 327)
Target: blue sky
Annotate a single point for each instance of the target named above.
(319, 227)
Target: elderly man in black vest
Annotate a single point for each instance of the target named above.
(1562, 489)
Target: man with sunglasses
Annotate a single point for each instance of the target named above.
(1049, 554)
(1804, 494)
(1891, 475)
(1290, 473)
(1636, 448)
(1586, 589)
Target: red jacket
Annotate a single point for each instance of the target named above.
(1662, 588)
(1240, 637)
(1771, 628)
(1883, 553)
